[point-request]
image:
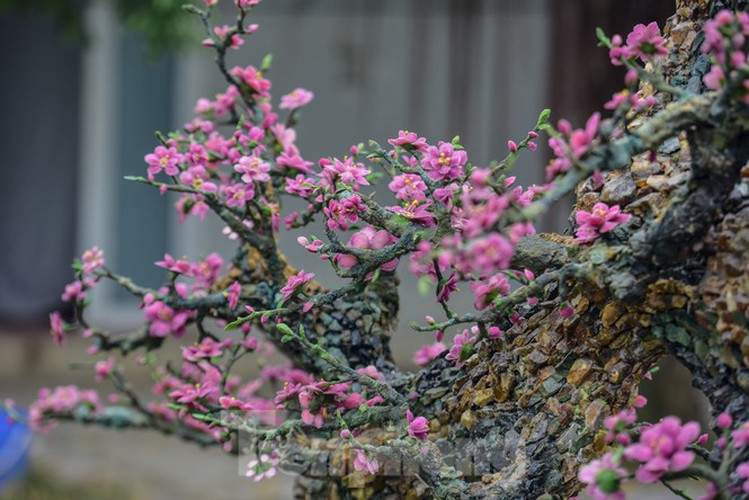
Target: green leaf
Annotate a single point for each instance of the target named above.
(375, 276)
(543, 118)
(424, 285)
(605, 41)
(267, 61)
(401, 221)
(236, 323)
(608, 481)
(456, 140)
(192, 9)
(287, 338)
(285, 329)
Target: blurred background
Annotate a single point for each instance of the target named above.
(85, 85)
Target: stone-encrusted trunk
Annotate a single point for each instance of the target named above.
(526, 410)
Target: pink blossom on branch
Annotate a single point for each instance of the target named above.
(92, 260)
(409, 141)
(368, 239)
(166, 159)
(418, 427)
(444, 162)
(662, 448)
(408, 187)
(165, 320)
(253, 169)
(366, 464)
(57, 328)
(296, 99)
(600, 220)
(294, 284)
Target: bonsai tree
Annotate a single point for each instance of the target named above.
(536, 393)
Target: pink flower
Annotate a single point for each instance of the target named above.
(198, 178)
(165, 320)
(294, 161)
(418, 427)
(74, 292)
(372, 372)
(207, 349)
(232, 403)
(490, 254)
(408, 140)
(222, 31)
(232, 295)
(448, 288)
(645, 42)
(62, 399)
(715, 79)
(162, 158)
(350, 173)
(311, 246)
(581, 139)
(263, 468)
(741, 435)
(618, 99)
(663, 448)
(253, 78)
(724, 421)
(103, 369)
(601, 220)
(416, 212)
(92, 260)
(427, 353)
(296, 99)
(742, 471)
(368, 465)
(368, 239)
(238, 195)
(57, 328)
(208, 270)
(462, 348)
(617, 424)
(487, 291)
(180, 266)
(253, 169)
(294, 283)
(604, 478)
(443, 162)
(342, 213)
(408, 187)
(300, 185)
(494, 332)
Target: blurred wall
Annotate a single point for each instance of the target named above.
(474, 68)
(39, 133)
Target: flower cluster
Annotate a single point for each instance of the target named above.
(644, 43)
(725, 38)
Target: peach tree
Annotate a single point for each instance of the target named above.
(533, 391)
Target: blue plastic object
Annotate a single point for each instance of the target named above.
(15, 443)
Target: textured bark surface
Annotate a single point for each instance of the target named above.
(528, 409)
